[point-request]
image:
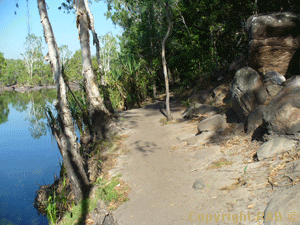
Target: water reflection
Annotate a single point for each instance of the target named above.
(27, 154)
(33, 103)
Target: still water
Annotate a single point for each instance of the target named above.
(28, 155)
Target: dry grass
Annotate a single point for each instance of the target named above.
(220, 163)
(243, 180)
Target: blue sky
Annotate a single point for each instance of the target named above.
(14, 28)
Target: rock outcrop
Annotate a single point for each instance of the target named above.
(275, 147)
(282, 115)
(284, 206)
(274, 39)
(248, 92)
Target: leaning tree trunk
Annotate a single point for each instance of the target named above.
(107, 101)
(164, 62)
(65, 133)
(99, 114)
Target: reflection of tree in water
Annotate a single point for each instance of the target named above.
(4, 110)
(33, 103)
(35, 118)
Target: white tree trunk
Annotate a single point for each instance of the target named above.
(65, 134)
(164, 62)
(98, 112)
(107, 101)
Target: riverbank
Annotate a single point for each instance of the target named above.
(22, 89)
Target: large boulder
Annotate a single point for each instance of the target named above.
(274, 39)
(282, 115)
(248, 92)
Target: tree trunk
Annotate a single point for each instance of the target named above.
(99, 114)
(107, 101)
(65, 133)
(164, 62)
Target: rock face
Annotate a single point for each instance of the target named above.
(285, 206)
(274, 147)
(274, 77)
(248, 92)
(197, 109)
(274, 39)
(282, 115)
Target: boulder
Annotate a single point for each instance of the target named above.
(275, 147)
(255, 118)
(274, 77)
(212, 123)
(273, 89)
(198, 109)
(284, 207)
(282, 115)
(248, 92)
(274, 38)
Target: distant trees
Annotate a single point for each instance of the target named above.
(33, 56)
(31, 69)
(65, 55)
(2, 66)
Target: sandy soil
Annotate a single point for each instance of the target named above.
(161, 172)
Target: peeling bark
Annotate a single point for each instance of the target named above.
(107, 100)
(65, 132)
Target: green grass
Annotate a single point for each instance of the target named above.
(107, 192)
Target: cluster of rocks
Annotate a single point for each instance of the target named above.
(264, 95)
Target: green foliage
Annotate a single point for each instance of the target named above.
(2, 64)
(74, 68)
(31, 70)
(107, 189)
(207, 36)
(51, 209)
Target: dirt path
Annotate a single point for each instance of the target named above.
(161, 172)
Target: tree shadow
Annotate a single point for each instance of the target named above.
(86, 189)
